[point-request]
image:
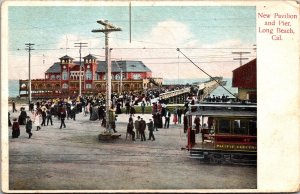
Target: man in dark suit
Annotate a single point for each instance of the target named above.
(168, 115)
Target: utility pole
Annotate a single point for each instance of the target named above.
(107, 29)
(80, 45)
(29, 48)
(240, 58)
(121, 78)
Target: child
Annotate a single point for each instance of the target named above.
(15, 129)
(29, 127)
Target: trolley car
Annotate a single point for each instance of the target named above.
(228, 133)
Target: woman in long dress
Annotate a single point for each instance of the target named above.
(15, 128)
(175, 119)
(37, 120)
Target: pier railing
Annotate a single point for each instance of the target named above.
(174, 93)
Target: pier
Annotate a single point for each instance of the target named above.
(176, 96)
(206, 88)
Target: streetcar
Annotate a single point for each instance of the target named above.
(227, 134)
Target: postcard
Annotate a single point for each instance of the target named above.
(150, 96)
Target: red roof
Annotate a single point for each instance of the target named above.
(245, 76)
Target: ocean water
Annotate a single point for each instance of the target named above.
(219, 91)
(13, 86)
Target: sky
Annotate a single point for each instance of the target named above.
(206, 34)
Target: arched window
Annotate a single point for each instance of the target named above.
(23, 85)
(118, 77)
(88, 86)
(65, 75)
(58, 77)
(88, 75)
(65, 85)
(52, 77)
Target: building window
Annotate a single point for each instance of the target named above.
(58, 77)
(88, 86)
(65, 85)
(65, 75)
(96, 76)
(88, 75)
(117, 76)
(136, 76)
(52, 77)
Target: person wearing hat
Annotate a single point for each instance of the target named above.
(15, 128)
(37, 119)
(151, 129)
(62, 118)
(137, 126)
(14, 106)
(130, 129)
(142, 129)
(28, 126)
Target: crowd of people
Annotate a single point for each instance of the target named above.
(93, 107)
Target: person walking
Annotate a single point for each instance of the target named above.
(151, 129)
(62, 119)
(175, 116)
(112, 119)
(127, 105)
(15, 128)
(167, 118)
(49, 117)
(137, 127)
(29, 127)
(22, 117)
(132, 110)
(142, 129)
(143, 105)
(9, 122)
(156, 118)
(179, 113)
(44, 115)
(37, 119)
(14, 106)
(130, 129)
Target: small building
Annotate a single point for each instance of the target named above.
(63, 78)
(244, 78)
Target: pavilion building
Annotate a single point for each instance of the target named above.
(62, 79)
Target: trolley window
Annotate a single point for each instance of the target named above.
(252, 128)
(224, 126)
(240, 127)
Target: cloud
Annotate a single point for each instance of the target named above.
(162, 59)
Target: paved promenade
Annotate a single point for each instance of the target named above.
(72, 158)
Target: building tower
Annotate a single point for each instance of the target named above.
(90, 68)
(65, 63)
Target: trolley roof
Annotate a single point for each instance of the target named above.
(223, 110)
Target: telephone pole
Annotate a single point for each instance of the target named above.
(106, 30)
(240, 58)
(80, 45)
(29, 49)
